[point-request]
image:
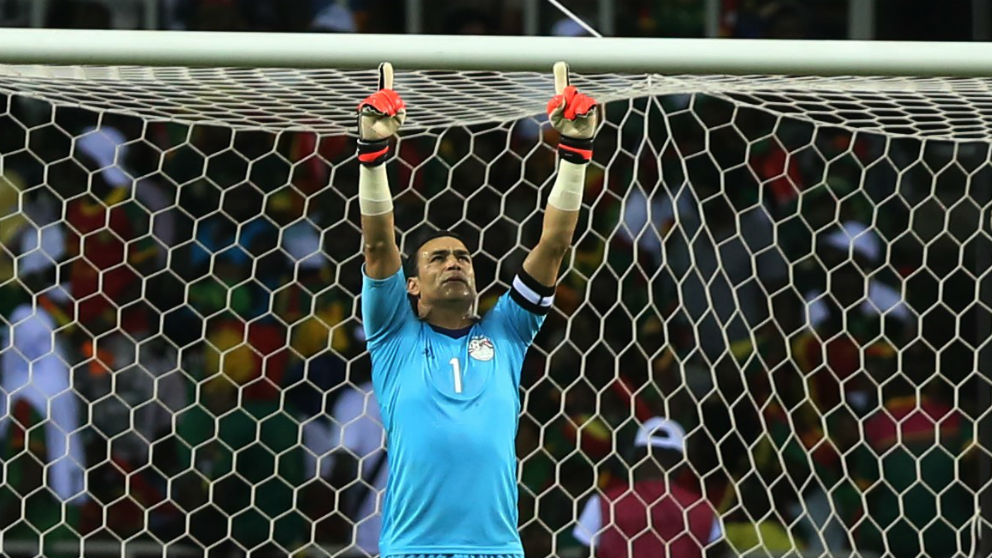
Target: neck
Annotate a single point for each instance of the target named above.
(447, 317)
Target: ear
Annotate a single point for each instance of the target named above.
(413, 286)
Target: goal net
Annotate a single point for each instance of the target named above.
(794, 269)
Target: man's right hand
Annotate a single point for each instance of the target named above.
(382, 113)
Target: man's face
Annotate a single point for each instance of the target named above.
(444, 272)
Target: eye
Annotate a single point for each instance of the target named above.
(437, 258)
(463, 258)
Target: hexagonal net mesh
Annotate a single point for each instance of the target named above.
(793, 269)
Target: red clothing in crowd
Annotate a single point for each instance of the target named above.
(103, 273)
(680, 521)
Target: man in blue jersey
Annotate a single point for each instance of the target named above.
(447, 381)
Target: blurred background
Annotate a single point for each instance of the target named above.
(910, 20)
(804, 298)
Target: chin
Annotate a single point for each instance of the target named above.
(459, 293)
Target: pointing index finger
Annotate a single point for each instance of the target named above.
(385, 75)
(561, 77)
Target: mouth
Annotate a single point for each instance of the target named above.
(454, 280)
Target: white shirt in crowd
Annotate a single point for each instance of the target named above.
(34, 369)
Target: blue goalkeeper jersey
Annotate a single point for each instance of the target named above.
(450, 403)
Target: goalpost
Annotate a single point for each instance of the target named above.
(784, 246)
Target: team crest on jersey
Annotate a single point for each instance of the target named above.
(481, 348)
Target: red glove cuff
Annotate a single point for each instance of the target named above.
(372, 153)
(573, 150)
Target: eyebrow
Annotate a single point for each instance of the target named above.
(446, 252)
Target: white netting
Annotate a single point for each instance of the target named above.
(794, 269)
(277, 99)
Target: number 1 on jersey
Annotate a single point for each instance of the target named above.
(456, 369)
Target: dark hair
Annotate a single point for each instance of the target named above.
(410, 267)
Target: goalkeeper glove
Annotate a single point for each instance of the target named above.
(575, 115)
(380, 115)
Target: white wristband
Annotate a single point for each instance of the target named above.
(566, 194)
(374, 197)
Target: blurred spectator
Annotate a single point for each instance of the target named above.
(319, 341)
(323, 378)
(245, 367)
(33, 239)
(647, 223)
(163, 216)
(107, 242)
(917, 500)
(657, 515)
(717, 264)
(844, 324)
(314, 384)
(34, 369)
(12, 223)
(778, 170)
(754, 528)
(301, 242)
(336, 17)
(143, 373)
(362, 436)
(568, 27)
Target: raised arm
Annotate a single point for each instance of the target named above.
(379, 117)
(575, 116)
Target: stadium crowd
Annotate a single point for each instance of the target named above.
(201, 284)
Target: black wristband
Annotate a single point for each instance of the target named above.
(372, 153)
(574, 150)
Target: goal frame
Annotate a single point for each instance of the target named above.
(504, 53)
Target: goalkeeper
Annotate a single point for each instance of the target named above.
(447, 381)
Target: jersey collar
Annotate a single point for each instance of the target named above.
(452, 333)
